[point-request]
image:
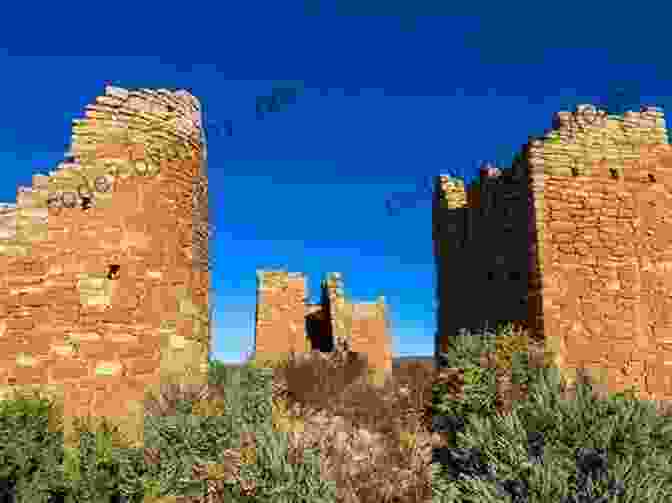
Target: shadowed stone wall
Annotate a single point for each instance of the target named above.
(574, 240)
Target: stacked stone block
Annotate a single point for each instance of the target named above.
(369, 333)
(340, 317)
(103, 263)
(589, 214)
(280, 319)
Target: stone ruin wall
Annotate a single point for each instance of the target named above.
(587, 211)
(280, 315)
(283, 312)
(471, 228)
(103, 263)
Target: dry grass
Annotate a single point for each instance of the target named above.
(375, 441)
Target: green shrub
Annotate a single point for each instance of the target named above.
(101, 464)
(636, 439)
(280, 474)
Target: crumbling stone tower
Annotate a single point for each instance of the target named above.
(103, 263)
(286, 323)
(573, 241)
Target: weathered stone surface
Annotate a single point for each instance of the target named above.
(582, 221)
(103, 270)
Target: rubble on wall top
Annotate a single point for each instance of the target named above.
(364, 309)
(168, 123)
(180, 95)
(7, 207)
(585, 109)
(177, 135)
(334, 281)
(451, 179)
(116, 92)
(120, 106)
(278, 272)
(588, 116)
(490, 170)
(587, 127)
(272, 278)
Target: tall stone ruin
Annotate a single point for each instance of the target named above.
(574, 241)
(104, 280)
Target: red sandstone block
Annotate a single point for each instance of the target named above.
(177, 275)
(115, 314)
(138, 350)
(185, 327)
(64, 314)
(20, 323)
(9, 352)
(62, 370)
(79, 394)
(140, 366)
(136, 152)
(33, 299)
(31, 375)
(98, 350)
(125, 296)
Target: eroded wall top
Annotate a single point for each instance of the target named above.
(580, 139)
(153, 126)
(574, 144)
(167, 123)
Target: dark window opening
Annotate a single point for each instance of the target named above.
(652, 178)
(514, 275)
(319, 334)
(113, 271)
(613, 172)
(491, 276)
(86, 203)
(575, 171)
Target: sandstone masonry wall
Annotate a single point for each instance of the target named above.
(285, 322)
(580, 226)
(103, 263)
(280, 318)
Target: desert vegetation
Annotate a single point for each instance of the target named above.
(494, 423)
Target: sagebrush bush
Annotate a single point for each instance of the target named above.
(189, 428)
(549, 447)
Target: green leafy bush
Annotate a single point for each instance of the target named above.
(175, 443)
(635, 440)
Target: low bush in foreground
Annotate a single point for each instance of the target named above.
(318, 429)
(549, 446)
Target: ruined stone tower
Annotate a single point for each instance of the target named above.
(574, 240)
(286, 323)
(104, 275)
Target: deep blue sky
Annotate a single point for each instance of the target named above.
(391, 95)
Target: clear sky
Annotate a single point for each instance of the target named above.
(389, 96)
